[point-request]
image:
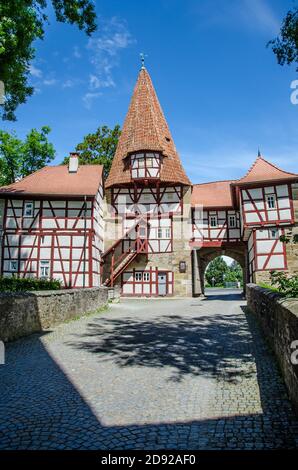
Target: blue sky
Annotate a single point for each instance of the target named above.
(221, 89)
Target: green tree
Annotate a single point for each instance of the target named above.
(11, 151)
(98, 148)
(285, 46)
(20, 158)
(234, 273)
(21, 23)
(216, 272)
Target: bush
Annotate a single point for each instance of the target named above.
(16, 284)
(287, 286)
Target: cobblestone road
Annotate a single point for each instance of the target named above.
(158, 374)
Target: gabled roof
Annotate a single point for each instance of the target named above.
(263, 171)
(145, 128)
(212, 195)
(57, 181)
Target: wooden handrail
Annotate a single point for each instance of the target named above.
(118, 241)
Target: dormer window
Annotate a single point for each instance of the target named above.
(145, 165)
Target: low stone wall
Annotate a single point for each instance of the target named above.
(279, 320)
(24, 313)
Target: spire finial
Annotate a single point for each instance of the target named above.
(142, 55)
(259, 152)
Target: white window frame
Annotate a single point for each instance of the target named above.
(168, 233)
(28, 204)
(271, 197)
(138, 276)
(159, 233)
(276, 236)
(44, 265)
(11, 268)
(146, 276)
(232, 217)
(211, 217)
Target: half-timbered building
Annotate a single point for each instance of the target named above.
(52, 225)
(148, 231)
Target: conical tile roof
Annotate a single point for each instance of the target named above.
(145, 128)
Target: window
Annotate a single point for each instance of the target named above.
(13, 266)
(28, 209)
(141, 163)
(146, 277)
(273, 233)
(138, 276)
(149, 162)
(232, 221)
(159, 232)
(168, 232)
(44, 269)
(213, 221)
(142, 232)
(271, 201)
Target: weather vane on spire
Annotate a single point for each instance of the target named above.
(142, 55)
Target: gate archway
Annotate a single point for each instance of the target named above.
(201, 257)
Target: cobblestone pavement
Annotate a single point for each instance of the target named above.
(147, 374)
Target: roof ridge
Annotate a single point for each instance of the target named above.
(275, 166)
(212, 182)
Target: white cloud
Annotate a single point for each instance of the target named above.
(89, 97)
(76, 52)
(35, 72)
(260, 14)
(50, 81)
(104, 49)
(256, 15)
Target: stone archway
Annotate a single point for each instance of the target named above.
(201, 258)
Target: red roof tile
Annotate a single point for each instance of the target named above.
(217, 194)
(145, 128)
(263, 171)
(57, 181)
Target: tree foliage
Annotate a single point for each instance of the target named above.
(286, 285)
(21, 158)
(21, 23)
(99, 148)
(218, 272)
(285, 46)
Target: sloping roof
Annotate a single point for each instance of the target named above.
(57, 181)
(217, 194)
(263, 171)
(145, 128)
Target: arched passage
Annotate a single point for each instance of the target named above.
(201, 258)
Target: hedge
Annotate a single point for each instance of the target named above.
(16, 284)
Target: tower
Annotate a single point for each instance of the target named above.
(148, 221)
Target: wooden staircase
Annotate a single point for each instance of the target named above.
(116, 259)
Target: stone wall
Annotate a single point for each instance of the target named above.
(279, 320)
(24, 313)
